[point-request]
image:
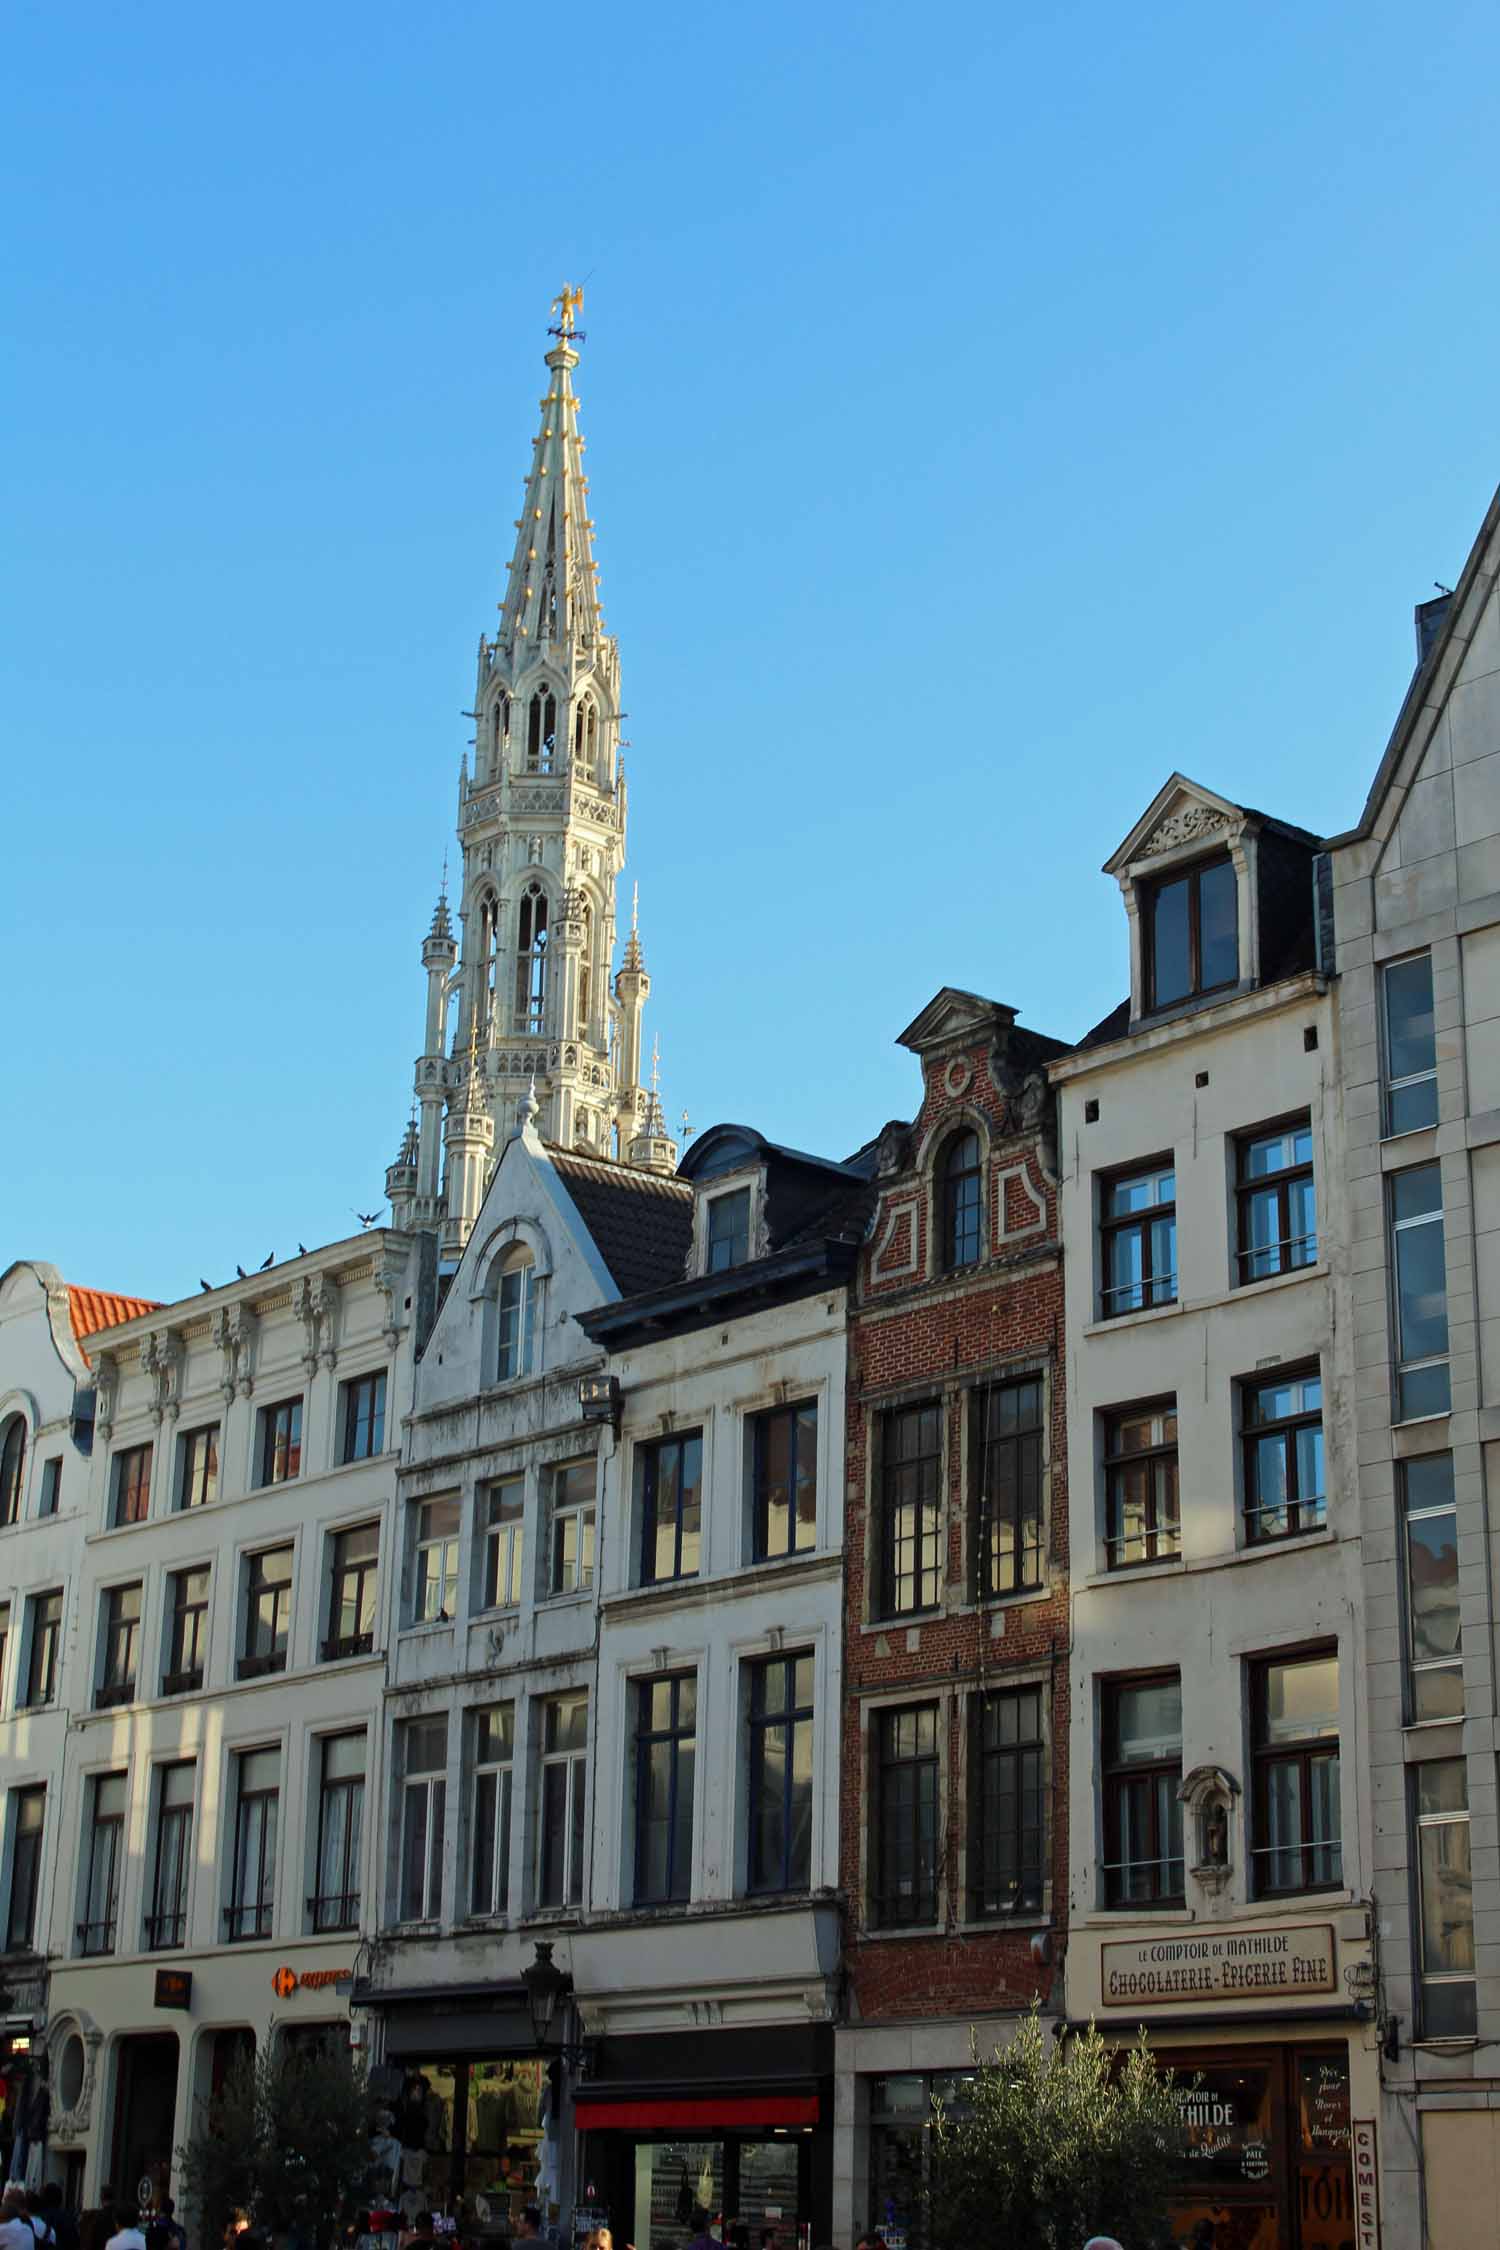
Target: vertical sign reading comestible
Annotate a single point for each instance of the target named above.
(1366, 2185)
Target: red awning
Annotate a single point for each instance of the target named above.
(683, 2113)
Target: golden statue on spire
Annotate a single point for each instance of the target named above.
(567, 306)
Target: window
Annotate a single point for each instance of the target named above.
(906, 1816)
(1434, 1660)
(435, 1579)
(198, 1467)
(728, 1231)
(341, 1812)
(501, 723)
(351, 1592)
(911, 1509)
(531, 959)
(1141, 1519)
(166, 1923)
(424, 1763)
(564, 1809)
(665, 1752)
(571, 1513)
(1278, 1218)
(252, 1880)
(27, 1812)
(1192, 933)
(1421, 1288)
(132, 1470)
(1006, 1504)
(364, 1417)
(585, 731)
(51, 1486)
(1440, 1795)
(4, 1645)
(1141, 1724)
(784, 1481)
(501, 1578)
(120, 1621)
(280, 1441)
(669, 1473)
(12, 1471)
(541, 731)
(517, 1321)
(187, 1631)
(46, 1638)
(494, 1738)
(1138, 1239)
(1283, 1439)
(268, 1612)
(1410, 1044)
(1295, 1717)
(1008, 1805)
(96, 1932)
(781, 1773)
(963, 1203)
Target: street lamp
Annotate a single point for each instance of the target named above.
(546, 1984)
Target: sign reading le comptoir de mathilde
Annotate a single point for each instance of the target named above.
(1221, 1965)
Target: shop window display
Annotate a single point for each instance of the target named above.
(1266, 2156)
(474, 2141)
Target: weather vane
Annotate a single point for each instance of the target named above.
(567, 306)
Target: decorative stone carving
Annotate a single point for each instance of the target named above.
(235, 1329)
(106, 1392)
(389, 1276)
(161, 1364)
(958, 1077)
(1208, 1794)
(1183, 825)
(316, 1306)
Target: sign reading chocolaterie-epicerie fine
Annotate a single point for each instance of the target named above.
(1221, 1965)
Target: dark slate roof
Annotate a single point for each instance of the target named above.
(843, 1218)
(1114, 1026)
(641, 1222)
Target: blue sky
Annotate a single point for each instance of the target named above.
(988, 411)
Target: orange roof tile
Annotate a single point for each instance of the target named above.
(90, 1310)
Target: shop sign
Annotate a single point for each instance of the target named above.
(1366, 2186)
(1221, 1965)
(174, 1988)
(287, 1981)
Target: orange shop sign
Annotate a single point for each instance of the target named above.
(286, 1981)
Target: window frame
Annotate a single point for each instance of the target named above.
(723, 1251)
(801, 1416)
(502, 1544)
(678, 1735)
(515, 1320)
(51, 1495)
(179, 1678)
(96, 1933)
(985, 1512)
(567, 1852)
(20, 1931)
(429, 1785)
(1391, 1087)
(1149, 893)
(171, 1856)
(130, 1485)
(43, 1633)
(362, 1572)
(350, 1788)
(424, 1544)
(1424, 1979)
(248, 1917)
(198, 1465)
(650, 1453)
(794, 1719)
(279, 1452)
(926, 1536)
(1164, 1511)
(1301, 1753)
(1153, 1290)
(1407, 1364)
(253, 1661)
(1416, 1668)
(991, 1764)
(1282, 1184)
(570, 1576)
(491, 1826)
(1119, 1774)
(119, 1645)
(13, 1449)
(925, 1764)
(961, 1201)
(362, 1416)
(1305, 1511)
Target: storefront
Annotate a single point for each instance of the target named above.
(1267, 2154)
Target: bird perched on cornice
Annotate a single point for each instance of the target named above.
(242, 1273)
(202, 1284)
(270, 1261)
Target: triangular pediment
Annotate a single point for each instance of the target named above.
(1181, 812)
(954, 1018)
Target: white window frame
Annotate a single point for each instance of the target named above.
(499, 1824)
(578, 1577)
(503, 1543)
(577, 1763)
(444, 1545)
(431, 1786)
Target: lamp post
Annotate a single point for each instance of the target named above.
(546, 1984)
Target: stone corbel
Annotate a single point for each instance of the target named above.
(390, 1279)
(316, 1306)
(106, 1392)
(235, 1328)
(161, 1364)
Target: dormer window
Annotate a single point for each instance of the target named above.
(963, 1203)
(1192, 933)
(728, 1231)
(517, 1320)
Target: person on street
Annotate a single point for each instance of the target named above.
(127, 2235)
(15, 2228)
(61, 2220)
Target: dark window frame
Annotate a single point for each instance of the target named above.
(337, 1910)
(492, 1797)
(650, 1455)
(13, 1471)
(563, 1774)
(280, 1449)
(251, 1914)
(254, 1661)
(917, 1809)
(679, 1737)
(1415, 1509)
(1153, 1289)
(1392, 1089)
(363, 1417)
(1410, 1365)
(1304, 1511)
(1302, 1755)
(130, 1476)
(1461, 2023)
(801, 1418)
(1281, 1183)
(51, 1499)
(961, 1201)
(1161, 1535)
(25, 1890)
(1150, 894)
(181, 1676)
(44, 1650)
(1015, 1774)
(361, 1572)
(166, 1926)
(914, 1481)
(786, 1721)
(198, 1473)
(724, 1248)
(96, 1934)
(1121, 1775)
(1007, 1486)
(119, 1646)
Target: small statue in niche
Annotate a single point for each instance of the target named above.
(1216, 1835)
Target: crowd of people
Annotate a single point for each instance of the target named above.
(38, 2219)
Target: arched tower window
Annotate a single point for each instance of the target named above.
(962, 1202)
(586, 971)
(541, 731)
(12, 1470)
(489, 948)
(516, 1305)
(531, 960)
(586, 737)
(502, 724)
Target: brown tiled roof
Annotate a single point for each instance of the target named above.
(641, 1222)
(90, 1310)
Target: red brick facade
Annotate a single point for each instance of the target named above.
(918, 1333)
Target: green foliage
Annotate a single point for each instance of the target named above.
(1057, 2143)
(287, 2143)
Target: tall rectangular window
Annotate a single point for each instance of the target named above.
(424, 1793)
(252, 1876)
(281, 1441)
(565, 1728)
(1434, 1655)
(1141, 1726)
(494, 1746)
(1283, 1442)
(1295, 1811)
(363, 1417)
(781, 1773)
(906, 1807)
(1142, 1519)
(28, 1809)
(198, 1467)
(51, 1486)
(166, 1920)
(46, 1645)
(1191, 933)
(1277, 1204)
(500, 1565)
(101, 1902)
(132, 1473)
(4, 1645)
(1006, 1504)
(784, 1481)
(516, 1310)
(666, 1730)
(1445, 1887)
(1138, 1238)
(1007, 1803)
(1410, 1040)
(268, 1612)
(728, 1230)
(911, 1512)
(570, 1518)
(1421, 1288)
(669, 1481)
(354, 1565)
(187, 1631)
(119, 1646)
(341, 1816)
(435, 1571)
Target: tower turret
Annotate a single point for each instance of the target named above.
(470, 1138)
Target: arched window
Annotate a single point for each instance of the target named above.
(12, 1470)
(586, 970)
(516, 1302)
(963, 1202)
(502, 724)
(489, 947)
(531, 960)
(541, 731)
(585, 737)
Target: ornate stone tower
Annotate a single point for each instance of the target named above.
(524, 999)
